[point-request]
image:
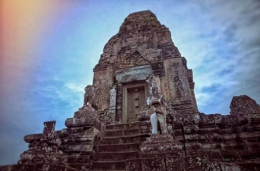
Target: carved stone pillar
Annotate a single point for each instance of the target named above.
(119, 99)
(112, 105)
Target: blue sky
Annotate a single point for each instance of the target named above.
(220, 40)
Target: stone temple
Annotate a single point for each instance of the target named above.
(140, 114)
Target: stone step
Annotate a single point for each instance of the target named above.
(134, 164)
(78, 158)
(37, 167)
(115, 156)
(107, 170)
(118, 133)
(85, 148)
(78, 166)
(134, 125)
(108, 165)
(118, 147)
(121, 140)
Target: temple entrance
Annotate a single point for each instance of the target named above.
(134, 100)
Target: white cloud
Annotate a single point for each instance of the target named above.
(77, 88)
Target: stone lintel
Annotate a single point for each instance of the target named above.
(138, 73)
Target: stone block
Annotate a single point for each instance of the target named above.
(33, 137)
(248, 135)
(256, 127)
(20, 167)
(78, 166)
(191, 137)
(253, 144)
(229, 155)
(252, 166)
(134, 125)
(78, 158)
(246, 155)
(233, 144)
(151, 155)
(193, 163)
(212, 166)
(177, 132)
(211, 119)
(192, 145)
(215, 155)
(49, 128)
(254, 118)
(231, 136)
(230, 120)
(133, 165)
(130, 139)
(155, 164)
(131, 131)
(246, 128)
(242, 119)
(179, 138)
(177, 120)
(119, 126)
(191, 129)
(110, 140)
(108, 165)
(210, 145)
(173, 153)
(256, 153)
(79, 148)
(118, 147)
(115, 156)
(174, 163)
(229, 166)
(114, 133)
(188, 119)
(209, 129)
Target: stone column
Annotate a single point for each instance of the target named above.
(112, 105)
(119, 101)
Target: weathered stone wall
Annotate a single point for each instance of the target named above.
(103, 82)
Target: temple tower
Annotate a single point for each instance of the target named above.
(140, 56)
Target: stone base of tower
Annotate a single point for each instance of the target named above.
(203, 142)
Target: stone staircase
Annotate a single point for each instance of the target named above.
(120, 143)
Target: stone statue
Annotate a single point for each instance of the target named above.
(155, 100)
(159, 115)
(153, 83)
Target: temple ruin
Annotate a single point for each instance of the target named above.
(140, 114)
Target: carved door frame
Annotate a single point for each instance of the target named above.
(125, 97)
